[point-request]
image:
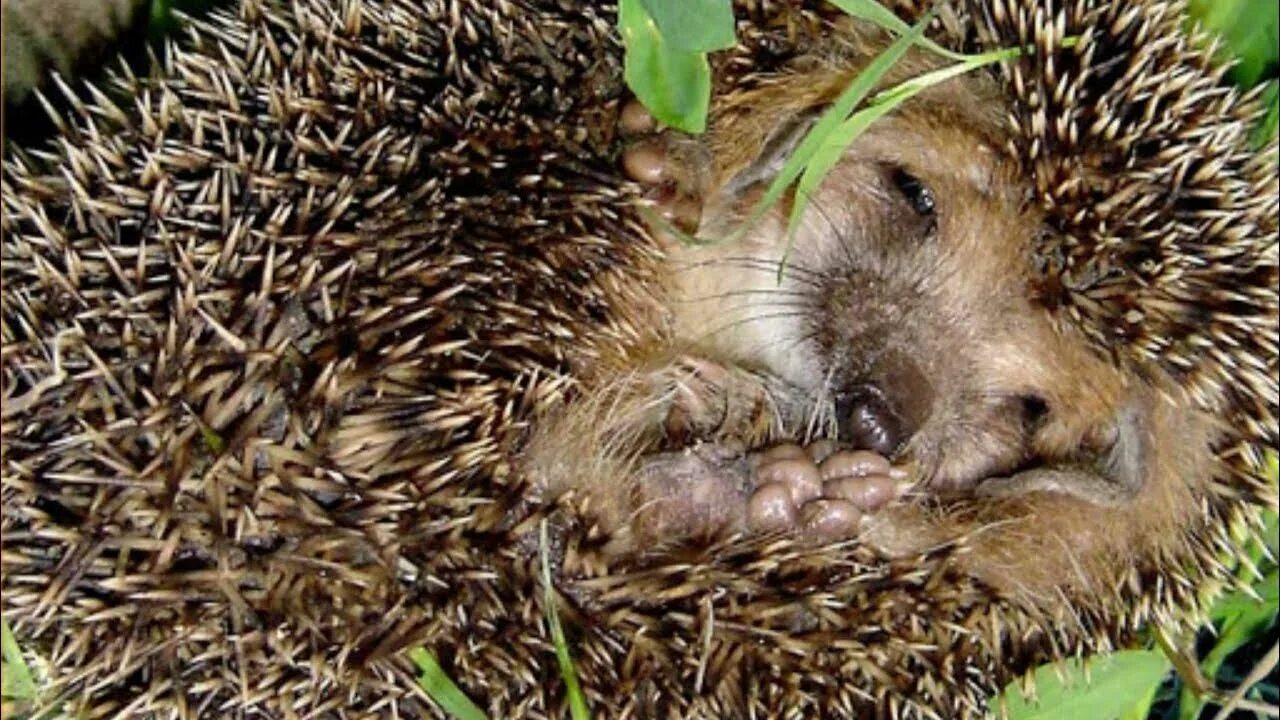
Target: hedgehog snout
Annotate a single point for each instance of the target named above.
(884, 412)
(868, 420)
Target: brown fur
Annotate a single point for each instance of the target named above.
(1052, 505)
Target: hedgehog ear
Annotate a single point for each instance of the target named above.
(1126, 461)
(779, 146)
(1108, 474)
(1119, 465)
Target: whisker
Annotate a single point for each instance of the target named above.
(746, 304)
(755, 318)
(791, 343)
(746, 310)
(765, 262)
(785, 292)
(842, 237)
(793, 271)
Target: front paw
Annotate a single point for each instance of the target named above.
(722, 403)
(822, 491)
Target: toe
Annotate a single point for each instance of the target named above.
(635, 119)
(799, 475)
(820, 450)
(829, 519)
(770, 509)
(860, 463)
(868, 493)
(646, 162)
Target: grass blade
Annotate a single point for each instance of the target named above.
(18, 683)
(834, 143)
(577, 701)
(874, 12)
(830, 153)
(816, 138)
(839, 139)
(442, 689)
(933, 77)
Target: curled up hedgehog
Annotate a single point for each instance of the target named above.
(319, 339)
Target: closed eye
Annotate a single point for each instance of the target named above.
(1035, 410)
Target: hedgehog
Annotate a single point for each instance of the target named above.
(312, 338)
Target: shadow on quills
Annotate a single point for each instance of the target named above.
(305, 341)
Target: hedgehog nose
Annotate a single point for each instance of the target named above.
(867, 420)
(882, 415)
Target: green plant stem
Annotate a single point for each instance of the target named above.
(874, 12)
(577, 702)
(18, 683)
(437, 683)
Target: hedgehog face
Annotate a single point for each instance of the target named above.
(901, 316)
(902, 310)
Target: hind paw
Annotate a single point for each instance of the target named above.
(820, 492)
(660, 162)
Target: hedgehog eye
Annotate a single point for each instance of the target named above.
(918, 196)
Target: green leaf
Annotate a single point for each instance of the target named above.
(1141, 709)
(160, 20)
(1244, 618)
(441, 687)
(1250, 30)
(674, 84)
(577, 701)
(1250, 33)
(694, 25)
(1235, 604)
(1263, 547)
(1269, 127)
(1113, 683)
(17, 681)
(1241, 616)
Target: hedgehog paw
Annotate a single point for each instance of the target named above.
(708, 490)
(711, 401)
(654, 159)
(821, 491)
(698, 492)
